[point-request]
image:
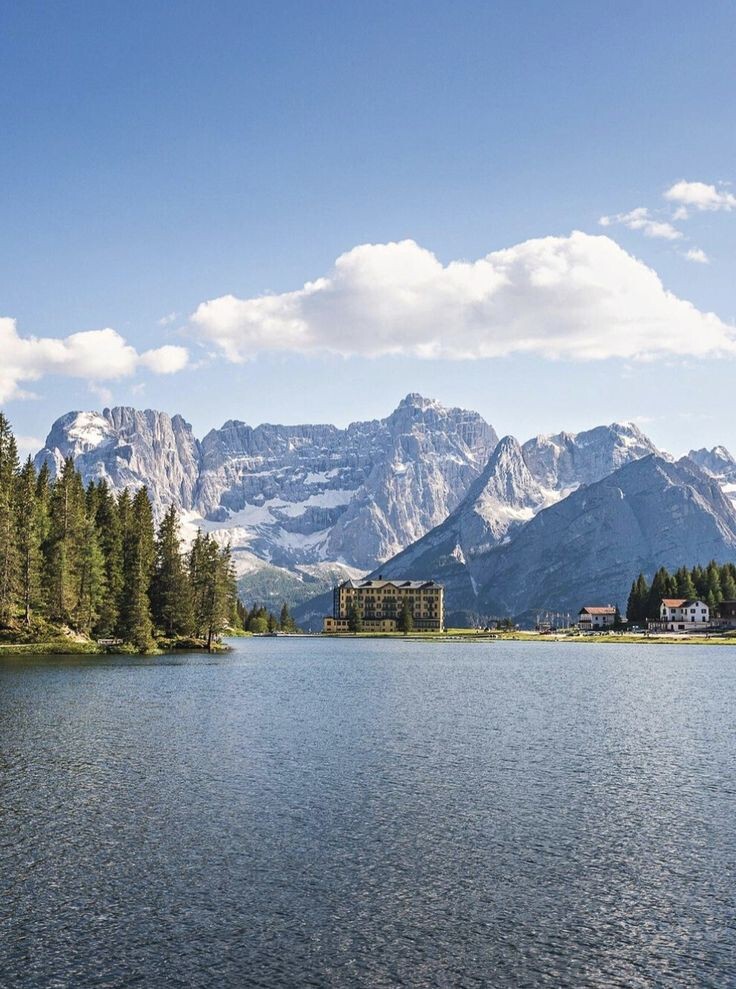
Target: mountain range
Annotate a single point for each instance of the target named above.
(430, 492)
(301, 505)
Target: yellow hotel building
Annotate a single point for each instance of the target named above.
(380, 602)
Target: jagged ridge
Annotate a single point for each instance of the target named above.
(293, 497)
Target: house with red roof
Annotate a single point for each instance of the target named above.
(596, 616)
(682, 615)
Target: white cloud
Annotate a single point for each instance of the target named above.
(641, 219)
(101, 392)
(580, 297)
(28, 446)
(698, 255)
(165, 360)
(94, 355)
(699, 196)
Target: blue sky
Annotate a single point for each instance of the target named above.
(158, 156)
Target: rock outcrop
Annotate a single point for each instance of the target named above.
(564, 461)
(718, 462)
(129, 448)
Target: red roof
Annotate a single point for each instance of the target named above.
(599, 610)
(674, 602)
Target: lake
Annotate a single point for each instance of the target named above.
(307, 812)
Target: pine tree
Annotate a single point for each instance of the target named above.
(637, 606)
(138, 559)
(685, 585)
(406, 618)
(124, 507)
(30, 523)
(8, 538)
(632, 611)
(257, 619)
(286, 621)
(43, 510)
(198, 580)
(258, 624)
(92, 581)
(223, 613)
(214, 590)
(700, 582)
(714, 593)
(728, 584)
(170, 593)
(663, 586)
(110, 540)
(65, 544)
(355, 617)
(43, 483)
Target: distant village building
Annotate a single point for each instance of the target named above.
(379, 604)
(682, 615)
(596, 616)
(726, 614)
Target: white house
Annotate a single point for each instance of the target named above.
(683, 615)
(596, 616)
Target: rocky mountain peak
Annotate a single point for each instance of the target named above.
(717, 462)
(129, 448)
(415, 412)
(562, 461)
(506, 480)
(416, 401)
(76, 433)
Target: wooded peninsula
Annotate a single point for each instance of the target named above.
(86, 563)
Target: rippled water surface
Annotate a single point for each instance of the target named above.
(370, 813)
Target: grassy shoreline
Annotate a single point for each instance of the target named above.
(77, 647)
(473, 635)
(88, 647)
(55, 648)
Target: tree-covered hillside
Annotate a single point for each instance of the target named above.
(87, 561)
